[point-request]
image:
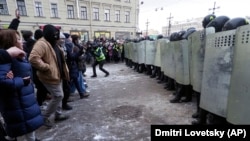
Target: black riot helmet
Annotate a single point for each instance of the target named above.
(188, 32)
(234, 23)
(207, 19)
(218, 23)
(180, 34)
(174, 36)
(160, 36)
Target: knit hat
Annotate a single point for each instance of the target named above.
(51, 34)
(38, 34)
(66, 35)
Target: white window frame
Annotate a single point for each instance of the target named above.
(54, 11)
(117, 15)
(127, 16)
(38, 9)
(71, 14)
(107, 14)
(95, 13)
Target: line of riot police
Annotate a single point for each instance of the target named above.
(211, 64)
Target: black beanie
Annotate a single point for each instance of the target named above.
(51, 34)
(66, 35)
(38, 34)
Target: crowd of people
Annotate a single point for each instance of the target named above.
(46, 67)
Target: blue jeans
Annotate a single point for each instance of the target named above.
(82, 88)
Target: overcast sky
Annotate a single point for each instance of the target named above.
(187, 9)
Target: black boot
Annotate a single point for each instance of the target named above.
(179, 93)
(66, 107)
(196, 114)
(213, 119)
(170, 84)
(188, 92)
(202, 119)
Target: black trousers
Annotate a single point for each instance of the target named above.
(41, 92)
(101, 64)
(66, 92)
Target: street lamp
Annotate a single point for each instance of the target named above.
(159, 8)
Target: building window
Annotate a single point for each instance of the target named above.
(84, 13)
(96, 13)
(107, 14)
(127, 16)
(117, 15)
(21, 7)
(3, 8)
(39, 9)
(54, 10)
(70, 9)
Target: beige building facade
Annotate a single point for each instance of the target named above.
(182, 25)
(116, 19)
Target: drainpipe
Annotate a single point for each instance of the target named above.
(77, 9)
(90, 22)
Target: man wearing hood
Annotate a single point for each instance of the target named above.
(48, 59)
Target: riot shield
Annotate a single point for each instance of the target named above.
(135, 52)
(164, 45)
(217, 72)
(141, 52)
(197, 53)
(150, 52)
(126, 53)
(239, 93)
(170, 61)
(158, 53)
(181, 62)
(130, 51)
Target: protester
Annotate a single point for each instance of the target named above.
(48, 59)
(19, 108)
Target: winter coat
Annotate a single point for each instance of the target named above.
(72, 59)
(14, 24)
(18, 104)
(43, 58)
(4, 57)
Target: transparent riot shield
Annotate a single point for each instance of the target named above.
(197, 52)
(158, 53)
(164, 45)
(181, 62)
(150, 52)
(239, 94)
(141, 52)
(217, 72)
(170, 61)
(135, 52)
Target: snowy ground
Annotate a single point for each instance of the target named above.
(120, 107)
